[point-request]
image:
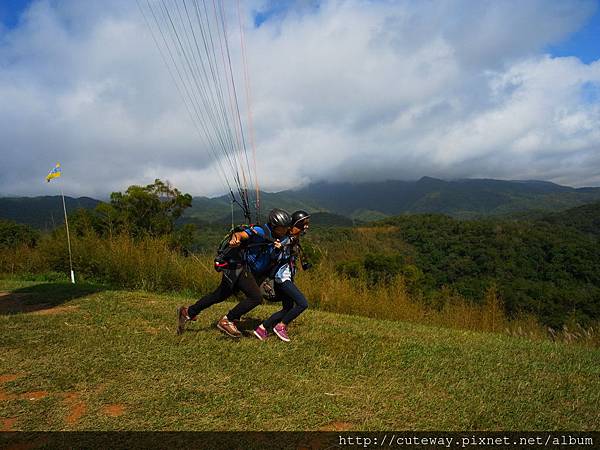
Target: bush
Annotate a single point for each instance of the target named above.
(14, 235)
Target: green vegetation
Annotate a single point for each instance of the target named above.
(13, 234)
(44, 213)
(97, 359)
(466, 199)
(549, 270)
(584, 218)
(141, 211)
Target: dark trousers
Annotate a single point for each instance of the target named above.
(245, 283)
(293, 301)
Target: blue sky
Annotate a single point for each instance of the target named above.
(276, 9)
(10, 11)
(585, 43)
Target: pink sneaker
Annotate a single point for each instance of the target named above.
(261, 333)
(281, 332)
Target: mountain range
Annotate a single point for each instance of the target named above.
(469, 198)
(44, 212)
(347, 203)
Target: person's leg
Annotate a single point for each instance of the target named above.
(300, 302)
(220, 294)
(261, 331)
(184, 314)
(289, 289)
(247, 284)
(287, 304)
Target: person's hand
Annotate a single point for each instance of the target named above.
(278, 245)
(234, 241)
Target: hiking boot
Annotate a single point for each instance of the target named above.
(228, 327)
(281, 331)
(182, 318)
(261, 333)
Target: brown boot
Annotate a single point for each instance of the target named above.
(228, 327)
(182, 319)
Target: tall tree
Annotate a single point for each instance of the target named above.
(150, 209)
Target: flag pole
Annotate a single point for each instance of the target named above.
(68, 238)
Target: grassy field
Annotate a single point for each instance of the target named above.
(86, 358)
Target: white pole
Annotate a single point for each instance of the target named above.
(68, 237)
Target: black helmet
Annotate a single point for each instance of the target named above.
(299, 216)
(280, 218)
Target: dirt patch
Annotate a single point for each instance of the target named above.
(71, 397)
(114, 410)
(35, 395)
(9, 377)
(337, 426)
(77, 411)
(4, 396)
(8, 424)
(77, 407)
(56, 310)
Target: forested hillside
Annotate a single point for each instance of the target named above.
(550, 267)
(585, 218)
(42, 212)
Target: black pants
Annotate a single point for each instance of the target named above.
(294, 303)
(245, 283)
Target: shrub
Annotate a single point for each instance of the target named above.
(13, 235)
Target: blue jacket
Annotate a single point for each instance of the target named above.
(261, 255)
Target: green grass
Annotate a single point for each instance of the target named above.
(105, 347)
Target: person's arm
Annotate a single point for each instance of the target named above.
(282, 244)
(237, 238)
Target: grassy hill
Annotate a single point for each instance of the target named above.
(83, 357)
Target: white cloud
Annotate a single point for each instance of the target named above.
(348, 90)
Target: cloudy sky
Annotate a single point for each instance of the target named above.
(341, 90)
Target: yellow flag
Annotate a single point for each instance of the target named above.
(54, 173)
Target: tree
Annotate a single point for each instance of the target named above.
(13, 234)
(145, 210)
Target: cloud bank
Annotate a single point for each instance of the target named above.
(342, 90)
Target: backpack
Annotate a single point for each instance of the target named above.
(230, 258)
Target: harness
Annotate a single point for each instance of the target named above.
(233, 258)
